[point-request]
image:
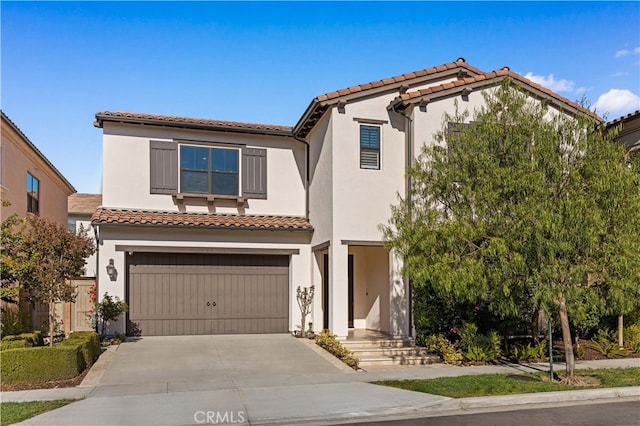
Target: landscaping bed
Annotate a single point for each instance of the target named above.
(504, 384)
(30, 367)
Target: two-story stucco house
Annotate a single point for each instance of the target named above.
(30, 184)
(209, 227)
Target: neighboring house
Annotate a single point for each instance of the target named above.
(630, 132)
(210, 226)
(30, 185)
(81, 207)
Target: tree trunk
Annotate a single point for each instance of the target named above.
(620, 330)
(52, 322)
(535, 326)
(566, 339)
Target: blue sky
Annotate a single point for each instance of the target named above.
(263, 62)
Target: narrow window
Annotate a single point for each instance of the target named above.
(370, 147)
(33, 194)
(213, 171)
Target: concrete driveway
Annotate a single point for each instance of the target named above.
(193, 363)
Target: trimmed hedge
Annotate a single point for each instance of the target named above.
(65, 360)
(39, 365)
(14, 344)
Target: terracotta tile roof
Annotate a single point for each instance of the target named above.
(490, 78)
(84, 203)
(217, 221)
(178, 121)
(626, 117)
(459, 63)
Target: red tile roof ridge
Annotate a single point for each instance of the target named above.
(503, 72)
(190, 120)
(459, 63)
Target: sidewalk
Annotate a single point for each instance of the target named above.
(320, 399)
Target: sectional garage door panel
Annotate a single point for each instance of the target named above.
(177, 294)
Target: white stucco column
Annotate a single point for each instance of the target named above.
(398, 297)
(316, 279)
(338, 290)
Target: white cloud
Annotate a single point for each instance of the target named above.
(551, 83)
(624, 52)
(619, 74)
(582, 90)
(617, 101)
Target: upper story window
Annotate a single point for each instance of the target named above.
(209, 170)
(33, 194)
(370, 147)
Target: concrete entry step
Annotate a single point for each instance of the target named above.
(389, 360)
(376, 349)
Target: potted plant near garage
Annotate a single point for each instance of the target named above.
(305, 299)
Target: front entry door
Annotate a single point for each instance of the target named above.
(350, 291)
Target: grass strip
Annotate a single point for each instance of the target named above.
(16, 412)
(510, 384)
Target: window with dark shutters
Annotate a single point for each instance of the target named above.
(370, 147)
(208, 170)
(254, 173)
(164, 167)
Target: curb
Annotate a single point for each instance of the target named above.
(538, 398)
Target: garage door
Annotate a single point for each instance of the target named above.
(177, 294)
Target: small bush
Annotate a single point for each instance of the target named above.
(632, 337)
(14, 344)
(328, 341)
(603, 343)
(477, 354)
(440, 345)
(41, 364)
(488, 345)
(15, 321)
(528, 353)
(87, 342)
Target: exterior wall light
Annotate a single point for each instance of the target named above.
(112, 271)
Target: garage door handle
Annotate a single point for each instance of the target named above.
(211, 304)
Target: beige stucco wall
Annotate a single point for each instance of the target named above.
(18, 158)
(126, 171)
(84, 221)
(110, 236)
(371, 288)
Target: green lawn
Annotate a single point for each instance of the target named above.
(503, 384)
(15, 412)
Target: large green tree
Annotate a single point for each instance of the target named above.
(44, 257)
(513, 210)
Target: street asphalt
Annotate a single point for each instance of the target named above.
(267, 379)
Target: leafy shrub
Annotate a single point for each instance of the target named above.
(15, 321)
(41, 364)
(24, 340)
(87, 342)
(14, 344)
(441, 346)
(632, 337)
(604, 344)
(477, 354)
(489, 344)
(528, 353)
(328, 341)
(116, 339)
(109, 310)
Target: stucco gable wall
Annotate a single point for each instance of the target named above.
(19, 158)
(362, 198)
(126, 170)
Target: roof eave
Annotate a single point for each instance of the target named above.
(70, 188)
(227, 228)
(102, 118)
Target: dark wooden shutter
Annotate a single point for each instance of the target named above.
(254, 173)
(164, 167)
